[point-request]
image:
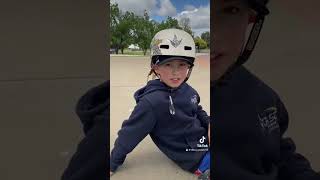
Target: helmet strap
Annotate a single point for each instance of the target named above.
(189, 73)
(250, 44)
(252, 41)
(152, 71)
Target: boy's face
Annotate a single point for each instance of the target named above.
(172, 73)
(230, 22)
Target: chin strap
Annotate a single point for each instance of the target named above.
(252, 40)
(189, 73)
(247, 51)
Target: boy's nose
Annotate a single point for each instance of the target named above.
(175, 69)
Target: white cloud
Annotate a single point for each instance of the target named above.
(166, 8)
(153, 7)
(136, 6)
(189, 7)
(199, 18)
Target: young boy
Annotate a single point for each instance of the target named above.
(250, 119)
(168, 108)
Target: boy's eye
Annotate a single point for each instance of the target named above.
(231, 10)
(167, 65)
(183, 64)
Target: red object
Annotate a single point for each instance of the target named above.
(252, 19)
(198, 172)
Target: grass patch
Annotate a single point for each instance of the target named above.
(134, 52)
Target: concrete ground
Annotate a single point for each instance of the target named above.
(146, 161)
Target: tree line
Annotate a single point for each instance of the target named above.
(128, 28)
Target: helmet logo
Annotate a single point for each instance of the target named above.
(175, 42)
(155, 46)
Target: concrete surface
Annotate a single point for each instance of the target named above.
(146, 161)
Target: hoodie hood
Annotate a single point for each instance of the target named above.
(94, 105)
(156, 85)
(153, 85)
(89, 160)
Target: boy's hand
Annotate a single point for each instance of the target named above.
(111, 173)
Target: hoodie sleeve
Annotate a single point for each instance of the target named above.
(133, 131)
(293, 166)
(202, 115)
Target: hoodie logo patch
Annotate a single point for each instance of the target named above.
(269, 120)
(194, 99)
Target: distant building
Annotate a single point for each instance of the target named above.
(134, 47)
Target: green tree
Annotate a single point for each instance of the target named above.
(200, 43)
(114, 21)
(168, 23)
(143, 31)
(121, 28)
(185, 25)
(206, 37)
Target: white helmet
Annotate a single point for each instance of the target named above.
(172, 43)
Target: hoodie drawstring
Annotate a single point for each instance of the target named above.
(171, 106)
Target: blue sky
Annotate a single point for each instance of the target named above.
(198, 11)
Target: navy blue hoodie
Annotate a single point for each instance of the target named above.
(177, 127)
(90, 158)
(249, 121)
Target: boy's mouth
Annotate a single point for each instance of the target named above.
(175, 80)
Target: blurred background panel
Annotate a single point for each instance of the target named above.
(287, 58)
(51, 53)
